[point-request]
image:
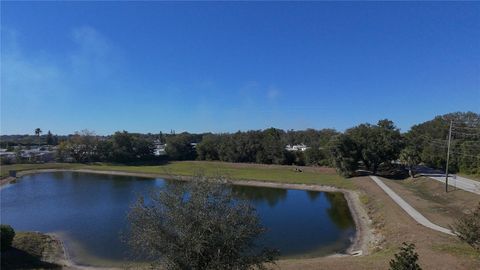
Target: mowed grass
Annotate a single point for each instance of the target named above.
(235, 171)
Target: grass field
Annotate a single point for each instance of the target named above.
(237, 171)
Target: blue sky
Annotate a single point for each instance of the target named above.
(157, 66)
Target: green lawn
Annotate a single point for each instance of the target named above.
(283, 174)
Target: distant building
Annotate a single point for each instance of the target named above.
(40, 154)
(8, 157)
(159, 148)
(297, 147)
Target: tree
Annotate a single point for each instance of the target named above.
(179, 147)
(272, 147)
(345, 155)
(122, 147)
(198, 225)
(207, 149)
(64, 151)
(6, 236)
(143, 149)
(376, 144)
(82, 146)
(410, 157)
(38, 131)
(50, 139)
(104, 150)
(406, 259)
(314, 155)
(430, 138)
(467, 228)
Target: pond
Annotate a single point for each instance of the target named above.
(88, 212)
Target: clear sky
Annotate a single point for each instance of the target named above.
(157, 66)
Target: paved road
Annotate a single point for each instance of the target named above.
(409, 209)
(453, 180)
(458, 181)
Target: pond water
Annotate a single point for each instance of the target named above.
(88, 212)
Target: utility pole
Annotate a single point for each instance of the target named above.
(448, 155)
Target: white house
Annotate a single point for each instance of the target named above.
(297, 147)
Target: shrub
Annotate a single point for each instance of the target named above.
(406, 259)
(198, 225)
(467, 228)
(6, 236)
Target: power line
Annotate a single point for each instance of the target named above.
(470, 141)
(466, 134)
(465, 155)
(468, 128)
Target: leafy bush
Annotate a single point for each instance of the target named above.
(406, 259)
(6, 236)
(467, 228)
(198, 225)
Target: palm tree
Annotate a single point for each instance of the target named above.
(37, 132)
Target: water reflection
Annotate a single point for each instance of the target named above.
(339, 211)
(313, 195)
(272, 196)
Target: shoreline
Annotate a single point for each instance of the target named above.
(359, 246)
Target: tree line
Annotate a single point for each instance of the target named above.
(370, 147)
(268, 147)
(121, 147)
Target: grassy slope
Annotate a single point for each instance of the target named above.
(274, 173)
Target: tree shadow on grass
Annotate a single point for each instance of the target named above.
(392, 173)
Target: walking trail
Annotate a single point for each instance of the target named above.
(409, 209)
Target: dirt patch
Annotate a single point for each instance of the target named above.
(7, 180)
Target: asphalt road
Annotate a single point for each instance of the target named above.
(453, 179)
(409, 209)
(458, 182)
